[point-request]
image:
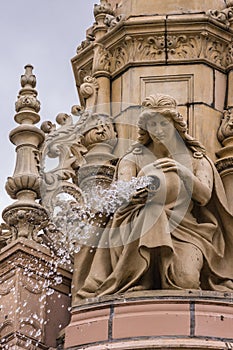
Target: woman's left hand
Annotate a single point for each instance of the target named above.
(168, 164)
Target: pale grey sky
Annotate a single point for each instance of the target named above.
(44, 33)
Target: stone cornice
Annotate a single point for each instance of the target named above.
(155, 40)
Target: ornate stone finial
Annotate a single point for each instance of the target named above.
(28, 79)
(100, 13)
(26, 216)
(27, 104)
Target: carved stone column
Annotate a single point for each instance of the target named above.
(101, 57)
(225, 162)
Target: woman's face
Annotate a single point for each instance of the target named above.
(161, 129)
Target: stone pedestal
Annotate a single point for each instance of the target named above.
(34, 297)
(153, 320)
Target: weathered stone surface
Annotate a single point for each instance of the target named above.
(137, 8)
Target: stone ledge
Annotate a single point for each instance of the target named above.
(187, 316)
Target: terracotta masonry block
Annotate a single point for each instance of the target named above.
(154, 319)
(214, 321)
(87, 327)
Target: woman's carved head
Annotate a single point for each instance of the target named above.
(166, 106)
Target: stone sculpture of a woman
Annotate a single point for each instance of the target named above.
(175, 234)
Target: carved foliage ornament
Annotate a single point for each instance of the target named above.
(198, 46)
(130, 50)
(194, 46)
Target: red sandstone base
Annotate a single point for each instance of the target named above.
(153, 320)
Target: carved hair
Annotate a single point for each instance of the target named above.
(167, 106)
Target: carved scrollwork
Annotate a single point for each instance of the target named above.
(69, 144)
(65, 144)
(82, 73)
(112, 21)
(224, 16)
(7, 326)
(89, 91)
(30, 325)
(74, 145)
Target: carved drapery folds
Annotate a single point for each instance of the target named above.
(26, 217)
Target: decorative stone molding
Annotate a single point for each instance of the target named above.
(199, 46)
(89, 87)
(193, 47)
(199, 39)
(131, 49)
(148, 320)
(224, 164)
